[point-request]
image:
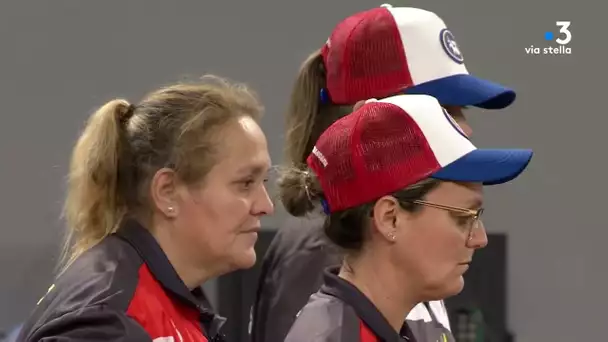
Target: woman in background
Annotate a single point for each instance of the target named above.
(163, 195)
(401, 188)
(375, 53)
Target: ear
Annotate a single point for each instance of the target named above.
(385, 217)
(163, 190)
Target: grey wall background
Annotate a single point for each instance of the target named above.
(60, 59)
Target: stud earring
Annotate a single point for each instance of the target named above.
(170, 209)
(391, 236)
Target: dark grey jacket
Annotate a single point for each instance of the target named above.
(292, 270)
(123, 289)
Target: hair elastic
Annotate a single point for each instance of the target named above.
(324, 96)
(325, 206)
(128, 113)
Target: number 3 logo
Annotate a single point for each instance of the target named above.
(563, 28)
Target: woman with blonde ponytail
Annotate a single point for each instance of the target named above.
(94, 207)
(157, 204)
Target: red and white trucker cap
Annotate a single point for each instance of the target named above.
(390, 144)
(389, 50)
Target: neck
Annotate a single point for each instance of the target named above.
(186, 266)
(379, 282)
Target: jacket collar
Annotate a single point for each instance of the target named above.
(162, 270)
(365, 309)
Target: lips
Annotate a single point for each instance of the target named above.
(252, 230)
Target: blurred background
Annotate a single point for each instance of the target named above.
(546, 262)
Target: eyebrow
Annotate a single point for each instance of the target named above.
(475, 203)
(254, 169)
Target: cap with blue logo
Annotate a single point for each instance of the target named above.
(388, 50)
(389, 144)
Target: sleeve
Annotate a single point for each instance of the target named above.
(97, 323)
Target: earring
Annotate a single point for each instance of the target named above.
(170, 209)
(391, 236)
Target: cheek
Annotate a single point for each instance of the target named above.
(213, 221)
(433, 250)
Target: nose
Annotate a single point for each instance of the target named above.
(478, 238)
(263, 204)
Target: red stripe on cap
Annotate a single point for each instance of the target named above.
(366, 58)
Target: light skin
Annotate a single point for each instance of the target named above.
(430, 251)
(458, 114)
(209, 229)
(416, 257)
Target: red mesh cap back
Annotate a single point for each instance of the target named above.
(376, 151)
(365, 58)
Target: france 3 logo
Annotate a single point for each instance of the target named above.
(562, 37)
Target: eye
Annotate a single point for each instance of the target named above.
(463, 220)
(247, 183)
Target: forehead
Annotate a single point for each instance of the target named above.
(455, 111)
(243, 146)
(465, 195)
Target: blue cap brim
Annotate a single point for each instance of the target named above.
(489, 167)
(466, 90)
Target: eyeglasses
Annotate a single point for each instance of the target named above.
(474, 216)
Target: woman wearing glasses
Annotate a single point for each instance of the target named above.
(374, 53)
(401, 186)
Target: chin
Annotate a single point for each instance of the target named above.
(445, 290)
(245, 259)
(454, 287)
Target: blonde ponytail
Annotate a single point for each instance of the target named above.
(93, 207)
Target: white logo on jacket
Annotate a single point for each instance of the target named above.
(170, 338)
(420, 313)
